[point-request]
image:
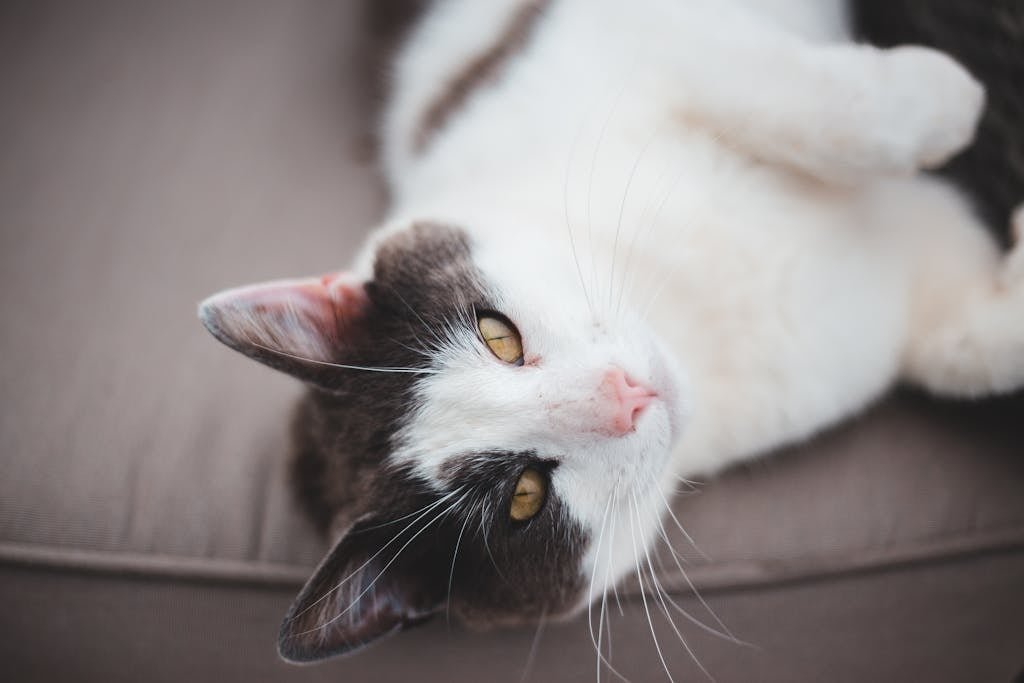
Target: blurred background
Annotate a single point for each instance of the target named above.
(152, 153)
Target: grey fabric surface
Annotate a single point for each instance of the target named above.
(897, 625)
(156, 152)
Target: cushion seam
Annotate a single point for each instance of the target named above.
(713, 575)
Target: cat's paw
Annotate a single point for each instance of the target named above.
(930, 106)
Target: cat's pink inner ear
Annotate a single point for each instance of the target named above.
(303, 318)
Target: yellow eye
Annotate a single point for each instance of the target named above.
(501, 338)
(529, 496)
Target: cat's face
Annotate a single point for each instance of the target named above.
(473, 435)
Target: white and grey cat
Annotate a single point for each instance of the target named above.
(629, 242)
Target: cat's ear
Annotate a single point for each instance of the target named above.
(357, 595)
(292, 325)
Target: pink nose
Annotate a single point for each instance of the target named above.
(625, 400)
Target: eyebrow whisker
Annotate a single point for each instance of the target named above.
(417, 371)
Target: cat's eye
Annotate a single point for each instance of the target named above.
(531, 490)
(502, 338)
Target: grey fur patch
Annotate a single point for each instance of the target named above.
(466, 554)
(460, 552)
(483, 69)
(424, 280)
(522, 570)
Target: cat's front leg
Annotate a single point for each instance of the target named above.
(839, 111)
(846, 113)
(908, 108)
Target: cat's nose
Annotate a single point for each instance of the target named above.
(625, 400)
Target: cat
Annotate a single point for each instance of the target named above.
(628, 243)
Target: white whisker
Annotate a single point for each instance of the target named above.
(451, 572)
(355, 601)
(648, 228)
(396, 520)
(590, 593)
(622, 210)
(675, 519)
(715, 138)
(725, 632)
(415, 371)
(534, 646)
(424, 352)
(487, 547)
(643, 596)
(590, 182)
(660, 595)
(568, 222)
(363, 566)
(590, 622)
(605, 615)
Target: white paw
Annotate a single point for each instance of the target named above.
(930, 106)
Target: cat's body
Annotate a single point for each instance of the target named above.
(790, 303)
(703, 220)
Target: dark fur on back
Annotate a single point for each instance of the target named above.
(986, 36)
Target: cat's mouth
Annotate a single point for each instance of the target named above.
(668, 388)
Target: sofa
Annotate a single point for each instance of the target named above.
(156, 152)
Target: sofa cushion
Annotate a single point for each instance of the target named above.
(882, 626)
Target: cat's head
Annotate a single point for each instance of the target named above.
(472, 436)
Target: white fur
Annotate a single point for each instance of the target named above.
(738, 173)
